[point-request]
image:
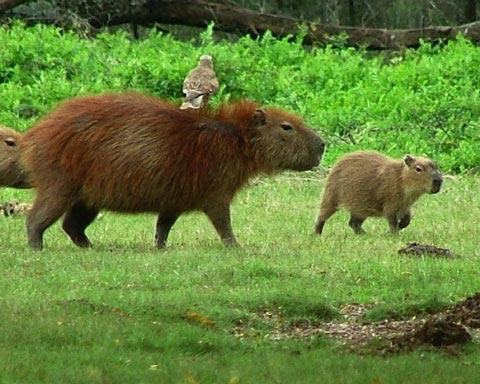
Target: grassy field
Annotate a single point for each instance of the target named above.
(123, 312)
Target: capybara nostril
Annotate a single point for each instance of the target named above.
(319, 148)
(321, 145)
(436, 184)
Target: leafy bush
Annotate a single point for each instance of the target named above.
(424, 101)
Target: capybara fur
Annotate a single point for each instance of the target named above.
(12, 174)
(133, 153)
(369, 184)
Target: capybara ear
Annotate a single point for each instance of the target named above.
(259, 117)
(10, 141)
(408, 159)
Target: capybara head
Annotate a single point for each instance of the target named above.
(286, 141)
(422, 175)
(11, 172)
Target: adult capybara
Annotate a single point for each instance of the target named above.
(370, 184)
(12, 174)
(134, 153)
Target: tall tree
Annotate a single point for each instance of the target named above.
(351, 13)
(471, 11)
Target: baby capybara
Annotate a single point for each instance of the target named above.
(12, 173)
(370, 184)
(134, 153)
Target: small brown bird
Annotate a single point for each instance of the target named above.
(199, 84)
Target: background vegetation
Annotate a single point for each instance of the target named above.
(424, 101)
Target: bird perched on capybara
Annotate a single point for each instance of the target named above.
(200, 83)
(369, 184)
(134, 153)
(12, 174)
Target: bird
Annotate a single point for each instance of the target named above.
(199, 84)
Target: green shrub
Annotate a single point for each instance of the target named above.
(424, 101)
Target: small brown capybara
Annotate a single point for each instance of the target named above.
(12, 173)
(369, 184)
(134, 153)
(14, 208)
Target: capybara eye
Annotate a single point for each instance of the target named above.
(418, 168)
(10, 142)
(286, 126)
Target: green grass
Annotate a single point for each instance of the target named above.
(124, 312)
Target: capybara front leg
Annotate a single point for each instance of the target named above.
(219, 215)
(393, 223)
(164, 224)
(356, 224)
(45, 211)
(76, 220)
(405, 220)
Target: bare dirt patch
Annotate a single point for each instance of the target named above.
(426, 249)
(447, 329)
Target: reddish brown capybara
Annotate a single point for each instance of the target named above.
(369, 184)
(133, 153)
(12, 174)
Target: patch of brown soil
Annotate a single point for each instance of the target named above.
(426, 249)
(451, 327)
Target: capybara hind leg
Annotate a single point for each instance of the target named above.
(45, 211)
(76, 220)
(164, 224)
(219, 215)
(356, 224)
(405, 220)
(326, 211)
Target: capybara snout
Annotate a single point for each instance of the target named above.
(316, 146)
(436, 184)
(437, 181)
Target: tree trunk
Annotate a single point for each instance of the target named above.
(471, 11)
(351, 13)
(229, 17)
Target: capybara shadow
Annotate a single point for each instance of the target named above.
(132, 153)
(369, 184)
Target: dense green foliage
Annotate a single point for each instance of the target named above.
(425, 101)
(197, 312)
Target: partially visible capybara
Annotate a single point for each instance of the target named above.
(14, 208)
(370, 184)
(12, 173)
(134, 153)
